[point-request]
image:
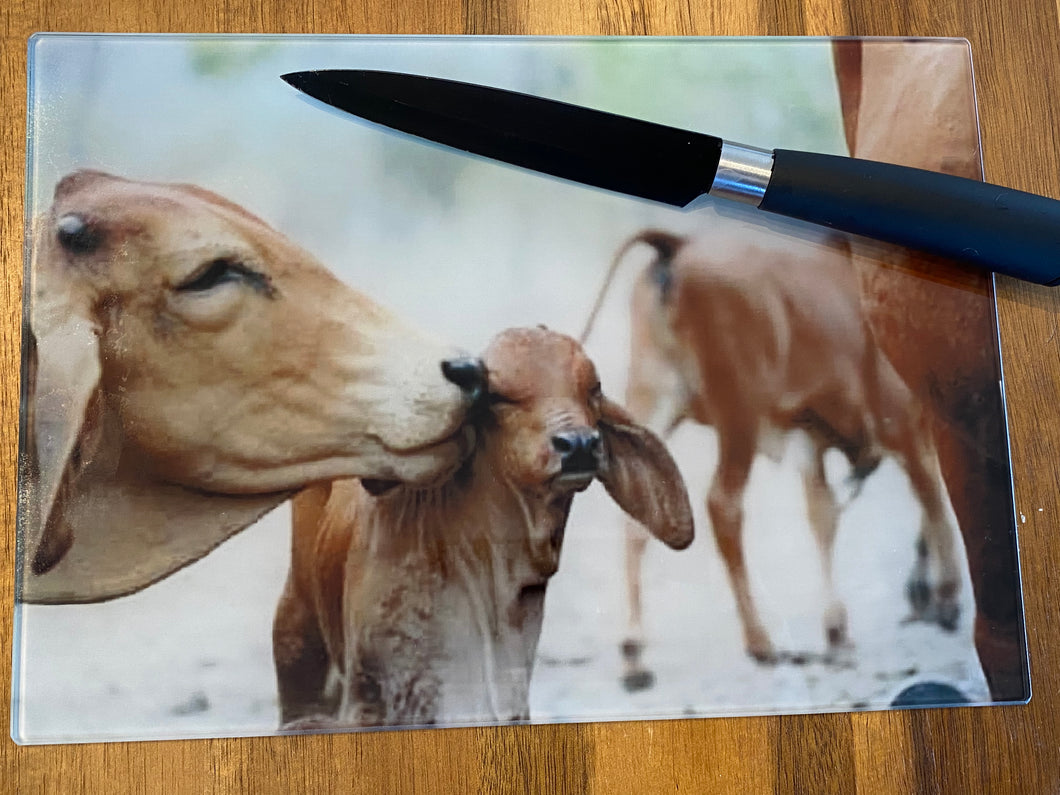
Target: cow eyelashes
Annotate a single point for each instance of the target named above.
(216, 272)
(222, 271)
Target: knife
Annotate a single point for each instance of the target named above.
(997, 228)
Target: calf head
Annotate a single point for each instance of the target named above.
(189, 369)
(555, 432)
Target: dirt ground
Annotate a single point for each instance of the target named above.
(191, 656)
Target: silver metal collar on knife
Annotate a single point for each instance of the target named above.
(743, 173)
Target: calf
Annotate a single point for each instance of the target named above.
(755, 334)
(425, 605)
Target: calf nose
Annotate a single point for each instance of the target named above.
(468, 373)
(579, 450)
(77, 235)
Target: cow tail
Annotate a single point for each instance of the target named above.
(666, 245)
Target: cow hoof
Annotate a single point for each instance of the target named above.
(641, 679)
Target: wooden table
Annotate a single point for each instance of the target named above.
(1016, 46)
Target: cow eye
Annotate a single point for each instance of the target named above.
(596, 391)
(213, 274)
(222, 271)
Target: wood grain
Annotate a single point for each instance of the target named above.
(1017, 52)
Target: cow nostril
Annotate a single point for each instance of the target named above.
(563, 443)
(77, 235)
(467, 372)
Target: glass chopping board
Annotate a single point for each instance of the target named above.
(200, 239)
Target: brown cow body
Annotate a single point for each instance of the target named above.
(759, 334)
(425, 605)
(914, 105)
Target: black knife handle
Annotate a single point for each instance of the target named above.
(1003, 230)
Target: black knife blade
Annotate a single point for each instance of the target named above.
(660, 163)
(997, 228)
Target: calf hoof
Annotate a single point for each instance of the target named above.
(636, 676)
(918, 594)
(631, 649)
(835, 626)
(948, 614)
(837, 637)
(309, 723)
(640, 679)
(760, 647)
(766, 656)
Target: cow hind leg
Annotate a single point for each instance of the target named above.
(937, 542)
(909, 435)
(918, 586)
(906, 431)
(823, 514)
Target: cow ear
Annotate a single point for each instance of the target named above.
(60, 382)
(93, 522)
(128, 532)
(641, 476)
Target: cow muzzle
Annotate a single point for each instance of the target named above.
(469, 374)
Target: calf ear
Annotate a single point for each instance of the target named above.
(642, 477)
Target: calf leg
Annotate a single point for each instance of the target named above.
(299, 648)
(635, 675)
(301, 658)
(662, 409)
(824, 520)
(656, 396)
(725, 507)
